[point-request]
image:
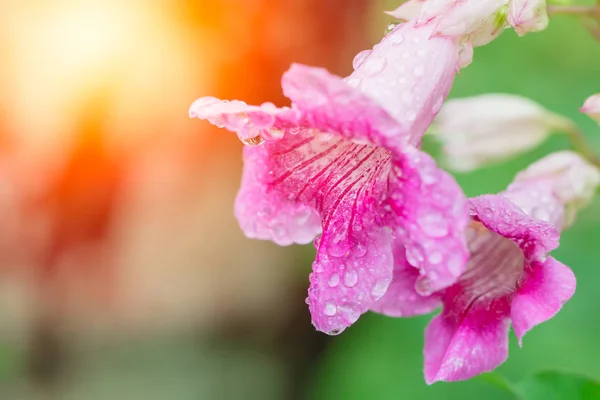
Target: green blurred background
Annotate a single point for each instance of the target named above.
(189, 308)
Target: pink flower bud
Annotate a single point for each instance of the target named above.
(481, 130)
(591, 107)
(528, 16)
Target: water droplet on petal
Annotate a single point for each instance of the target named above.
(324, 136)
(374, 65)
(334, 280)
(437, 105)
(351, 311)
(253, 141)
(360, 250)
(272, 135)
(421, 53)
(360, 58)
(433, 224)
(379, 288)
(294, 131)
(435, 257)
(330, 309)
(390, 27)
(350, 278)
(414, 255)
(455, 264)
(353, 81)
(317, 242)
(396, 39)
(318, 267)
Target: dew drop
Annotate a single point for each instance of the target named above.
(351, 311)
(317, 242)
(421, 53)
(253, 141)
(360, 250)
(350, 278)
(360, 58)
(337, 250)
(396, 39)
(324, 136)
(435, 257)
(437, 106)
(433, 224)
(379, 288)
(353, 81)
(455, 264)
(272, 134)
(330, 309)
(419, 71)
(390, 27)
(334, 280)
(318, 267)
(414, 255)
(374, 65)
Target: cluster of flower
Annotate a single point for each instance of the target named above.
(395, 233)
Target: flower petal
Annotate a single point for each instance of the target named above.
(528, 16)
(458, 350)
(410, 74)
(248, 122)
(350, 272)
(490, 128)
(286, 183)
(591, 107)
(401, 299)
(544, 289)
(500, 215)
(270, 216)
(331, 105)
(409, 10)
(354, 262)
(431, 214)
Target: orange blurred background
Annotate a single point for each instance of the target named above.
(117, 215)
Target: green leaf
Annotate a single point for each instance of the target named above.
(559, 386)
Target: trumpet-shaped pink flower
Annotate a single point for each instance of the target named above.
(509, 278)
(343, 161)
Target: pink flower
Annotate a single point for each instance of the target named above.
(528, 16)
(591, 107)
(509, 278)
(344, 160)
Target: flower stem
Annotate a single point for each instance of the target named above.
(581, 145)
(581, 11)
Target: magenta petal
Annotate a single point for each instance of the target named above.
(544, 289)
(498, 214)
(331, 105)
(349, 275)
(461, 350)
(401, 299)
(272, 217)
(248, 122)
(431, 214)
